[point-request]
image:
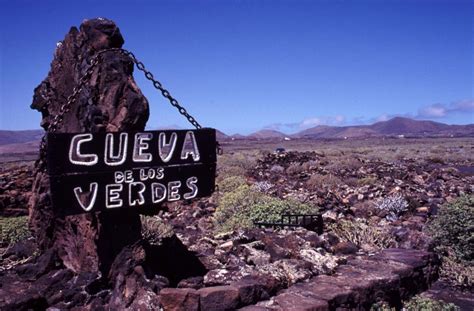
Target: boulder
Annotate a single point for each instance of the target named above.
(294, 301)
(219, 298)
(179, 299)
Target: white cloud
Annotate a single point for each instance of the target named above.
(307, 123)
(383, 117)
(310, 122)
(432, 111)
(339, 119)
(442, 110)
(463, 106)
(322, 120)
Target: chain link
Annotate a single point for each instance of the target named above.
(66, 107)
(157, 84)
(57, 120)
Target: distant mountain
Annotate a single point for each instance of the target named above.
(26, 141)
(237, 136)
(393, 127)
(220, 136)
(398, 126)
(266, 134)
(31, 147)
(15, 137)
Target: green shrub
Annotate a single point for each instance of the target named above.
(361, 233)
(13, 229)
(381, 306)
(241, 207)
(459, 273)
(234, 165)
(230, 171)
(453, 234)
(367, 181)
(419, 303)
(294, 169)
(245, 161)
(231, 183)
(154, 229)
(453, 228)
(318, 181)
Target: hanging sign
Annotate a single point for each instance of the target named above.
(106, 171)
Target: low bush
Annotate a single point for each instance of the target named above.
(367, 181)
(13, 229)
(230, 183)
(381, 306)
(436, 159)
(318, 181)
(154, 229)
(459, 273)
(452, 228)
(295, 169)
(308, 166)
(241, 207)
(452, 231)
(229, 171)
(344, 163)
(234, 165)
(362, 234)
(419, 303)
(245, 161)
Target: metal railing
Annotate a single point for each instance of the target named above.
(313, 222)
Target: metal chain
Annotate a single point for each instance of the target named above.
(66, 107)
(94, 61)
(160, 87)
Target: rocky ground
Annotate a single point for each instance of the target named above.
(374, 246)
(15, 186)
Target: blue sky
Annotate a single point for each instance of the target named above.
(240, 66)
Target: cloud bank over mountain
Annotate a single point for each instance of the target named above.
(436, 112)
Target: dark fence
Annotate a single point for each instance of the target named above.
(309, 222)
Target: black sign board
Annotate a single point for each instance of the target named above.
(105, 171)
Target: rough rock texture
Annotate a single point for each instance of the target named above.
(356, 184)
(110, 101)
(391, 275)
(92, 260)
(15, 189)
(219, 298)
(177, 299)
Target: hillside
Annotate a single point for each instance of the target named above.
(393, 127)
(220, 136)
(15, 137)
(266, 134)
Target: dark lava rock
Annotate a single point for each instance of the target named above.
(345, 248)
(110, 101)
(21, 249)
(219, 298)
(392, 275)
(15, 190)
(294, 301)
(179, 299)
(195, 282)
(251, 291)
